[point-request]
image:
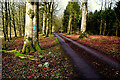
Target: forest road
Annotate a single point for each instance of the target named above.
(87, 72)
(100, 56)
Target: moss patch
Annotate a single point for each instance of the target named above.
(83, 35)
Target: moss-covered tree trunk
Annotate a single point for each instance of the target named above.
(31, 43)
(28, 44)
(35, 26)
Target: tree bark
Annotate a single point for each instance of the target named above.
(70, 19)
(12, 8)
(101, 22)
(105, 24)
(52, 17)
(84, 16)
(48, 15)
(4, 30)
(31, 42)
(6, 20)
(117, 29)
(28, 43)
(9, 19)
(44, 19)
(48, 19)
(35, 23)
(69, 24)
(20, 33)
(24, 21)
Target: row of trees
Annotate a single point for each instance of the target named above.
(27, 19)
(72, 15)
(13, 18)
(31, 41)
(48, 17)
(103, 22)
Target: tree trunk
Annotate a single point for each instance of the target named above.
(36, 25)
(48, 19)
(24, 21)
(84, 16)
(9, 19)
(52, 17)
(28, 42)
(104, 28)
(44, 19)
(105, 24)
(20, 33)
(14, 20)
(4, 30)
(101, 22)
(117, 30)
(70, 19)
(51, 23)
(6, 20)
(31, 42)
(69, 24)
(47, 27)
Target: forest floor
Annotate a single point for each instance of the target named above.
(53, 63)
(106, 45)
(50, 63)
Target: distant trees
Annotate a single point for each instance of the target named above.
(13, 18)
(117, 16)
(104, 22)
(72, 16)
(48, 9)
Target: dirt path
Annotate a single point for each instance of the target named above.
(104, 58)
(83, 68)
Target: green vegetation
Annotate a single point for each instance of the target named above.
(114, 51)
(83, 35)
(110, 22)
(76, 17)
